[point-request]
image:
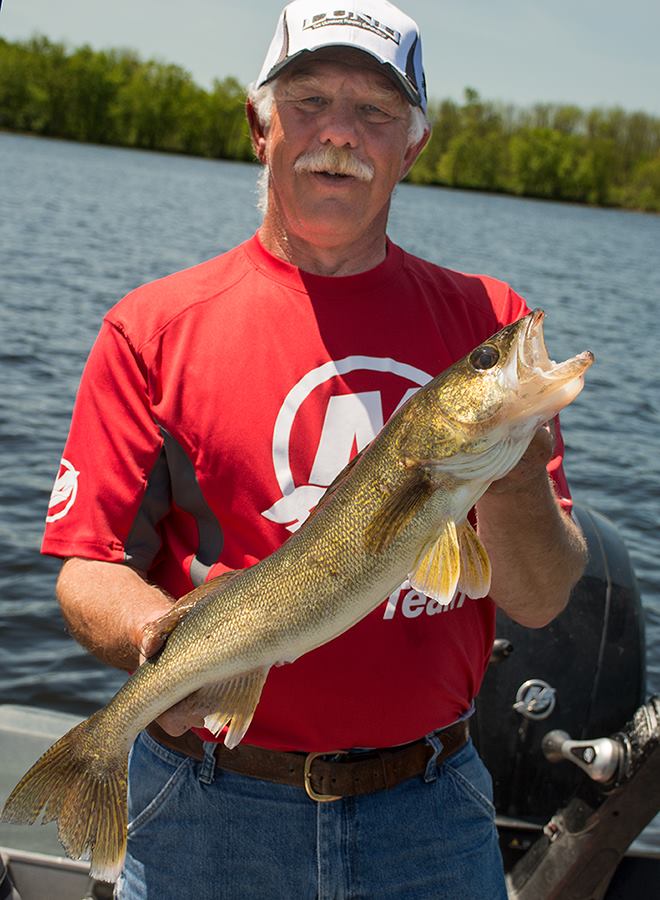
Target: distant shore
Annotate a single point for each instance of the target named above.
(600, 157)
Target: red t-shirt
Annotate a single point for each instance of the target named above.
(216, 406)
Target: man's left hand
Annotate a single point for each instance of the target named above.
(532, 465)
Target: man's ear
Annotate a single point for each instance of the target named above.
(413, 152)
(257, 131)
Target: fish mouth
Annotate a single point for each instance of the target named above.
(542, 382)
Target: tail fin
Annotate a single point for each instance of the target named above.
(78, 782)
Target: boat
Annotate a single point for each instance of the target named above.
(32, 861)
(562, 721)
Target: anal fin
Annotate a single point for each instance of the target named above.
(234, 701)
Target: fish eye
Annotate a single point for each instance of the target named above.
(484, 357)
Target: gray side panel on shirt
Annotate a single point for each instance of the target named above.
(173, 480)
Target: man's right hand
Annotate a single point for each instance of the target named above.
(185, 714)
(113, 611)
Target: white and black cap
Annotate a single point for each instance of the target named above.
(374, 26)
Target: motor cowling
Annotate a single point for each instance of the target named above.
(583, 674)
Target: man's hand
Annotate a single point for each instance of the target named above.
(185, 714)
(114, 612)
(532, 465)
(189, 712)
(537, 552)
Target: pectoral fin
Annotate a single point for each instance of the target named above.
(398, 510)
(474, 579)
(437, 570)
(235, 701)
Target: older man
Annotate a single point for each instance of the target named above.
(216, 406)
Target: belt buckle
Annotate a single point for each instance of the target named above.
(307, 777)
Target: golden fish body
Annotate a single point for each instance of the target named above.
(399, 510)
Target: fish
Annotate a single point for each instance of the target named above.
(399, 510)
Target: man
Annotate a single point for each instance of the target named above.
(216, 406)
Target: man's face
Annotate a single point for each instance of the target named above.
(331, 110)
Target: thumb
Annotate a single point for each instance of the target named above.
(151, 640)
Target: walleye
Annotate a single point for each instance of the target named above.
(398, 510)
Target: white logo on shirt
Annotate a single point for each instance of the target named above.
(351, 421)
(64, 493)
(407, 602)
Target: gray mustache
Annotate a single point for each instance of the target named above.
(333, 159)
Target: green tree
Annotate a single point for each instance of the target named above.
(445, 120)
(43, 67)
(90, 83)
(642, 191)
(476, 155)
(475, 160)
(155, 107)
(227, 134)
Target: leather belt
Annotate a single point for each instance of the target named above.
(325, 776)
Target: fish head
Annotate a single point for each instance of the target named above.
(505, 388)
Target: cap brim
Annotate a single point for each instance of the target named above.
(389, 70)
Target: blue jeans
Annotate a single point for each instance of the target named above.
(200, 833)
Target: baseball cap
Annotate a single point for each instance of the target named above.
(374, 26)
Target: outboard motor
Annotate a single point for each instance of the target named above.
(583, 675)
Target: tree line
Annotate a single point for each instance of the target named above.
(607, 157)
(113, 97)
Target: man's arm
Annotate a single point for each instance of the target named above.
(536, 551)
(106, 606)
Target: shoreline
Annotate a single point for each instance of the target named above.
(408, 181)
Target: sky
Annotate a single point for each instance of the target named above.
(584, 52)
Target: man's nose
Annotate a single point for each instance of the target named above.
(340, 127)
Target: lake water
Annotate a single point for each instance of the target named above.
(82, 225)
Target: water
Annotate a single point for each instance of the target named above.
(82, 225)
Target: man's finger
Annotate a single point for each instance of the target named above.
(152, 641)
(180, 718)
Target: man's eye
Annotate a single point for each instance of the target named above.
(375, 113)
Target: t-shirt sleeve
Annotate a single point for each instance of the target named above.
(110, 464)
(556, 470)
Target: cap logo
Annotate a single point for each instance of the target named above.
(357, 19)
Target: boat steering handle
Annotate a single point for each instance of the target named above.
(601, 758)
